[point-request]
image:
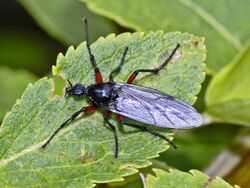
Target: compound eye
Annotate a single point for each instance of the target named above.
(68, 91)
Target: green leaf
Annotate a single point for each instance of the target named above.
(62, 19)
(225, 31)
(200, 104)
(12, 84)
(175, 178)
(21, 49)
(206, 141)
(228, 96)
(83, 153)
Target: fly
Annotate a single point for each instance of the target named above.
(145, 105)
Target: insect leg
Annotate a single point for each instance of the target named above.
(151, 132)
(117, 69)
(98, 75)
(105, 116)
(156, 71)
(85, 109)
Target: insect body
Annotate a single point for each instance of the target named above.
(152, 107)
(145, 105)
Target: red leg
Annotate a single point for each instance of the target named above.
(132, 77)
(155, 71)
(90, 108)
(118, 69)
(107, 113)
(119, 118)
(98, 76)
(105, 116)
(84, 109)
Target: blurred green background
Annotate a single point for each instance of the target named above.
(32, 33)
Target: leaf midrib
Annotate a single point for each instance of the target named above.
(40, 171)
(27, 125)
(213, 22)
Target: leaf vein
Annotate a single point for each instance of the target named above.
(213, 22)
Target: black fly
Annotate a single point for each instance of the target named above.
(145, 105)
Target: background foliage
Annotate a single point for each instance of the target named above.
(29, 48)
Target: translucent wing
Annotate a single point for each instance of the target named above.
(153, 107)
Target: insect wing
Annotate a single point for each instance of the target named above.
(153, 107)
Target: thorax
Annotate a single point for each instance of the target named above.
(102, 94)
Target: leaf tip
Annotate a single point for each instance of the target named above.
(70, 50)
(109, 37)
(60, 56)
